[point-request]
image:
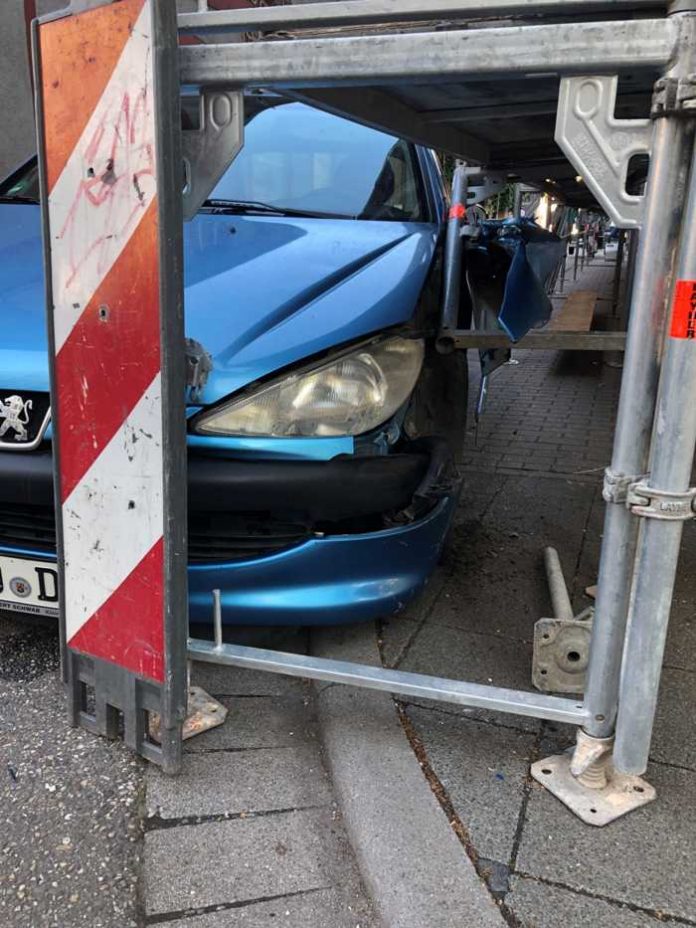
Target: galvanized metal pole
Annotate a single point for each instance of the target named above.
(577, 256)
(671, 461)
(633, 239)
(453, 248)
(616, 289)
(560, 600)
(252, 16)
(670, 157)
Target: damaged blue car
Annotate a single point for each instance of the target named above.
(323, 438)
(321, 446)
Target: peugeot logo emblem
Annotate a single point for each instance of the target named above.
(14, 414)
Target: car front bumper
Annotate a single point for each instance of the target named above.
(326, 581)
(339, 563)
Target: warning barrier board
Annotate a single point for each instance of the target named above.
(107, 105)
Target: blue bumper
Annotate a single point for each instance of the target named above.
(341, 567)
(326, 581)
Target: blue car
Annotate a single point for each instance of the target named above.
(321, 446)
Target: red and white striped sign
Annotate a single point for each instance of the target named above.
(100, 173)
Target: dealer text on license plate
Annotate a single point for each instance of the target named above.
(28, 586)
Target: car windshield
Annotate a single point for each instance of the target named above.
(303, 160)
(23, 185)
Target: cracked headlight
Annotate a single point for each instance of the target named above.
(349, 395)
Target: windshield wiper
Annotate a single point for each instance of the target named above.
(16, 198)
(242, 207)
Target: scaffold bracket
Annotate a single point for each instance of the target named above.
(652, 503)
(600, 146)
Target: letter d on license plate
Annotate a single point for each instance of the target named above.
(28, 586)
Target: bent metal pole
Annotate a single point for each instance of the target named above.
(670, 155)
(666, 502)
(454, 247)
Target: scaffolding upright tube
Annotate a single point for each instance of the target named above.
(671, 461)
(671, 149)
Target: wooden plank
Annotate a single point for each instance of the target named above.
(561, 340)
(575, 314)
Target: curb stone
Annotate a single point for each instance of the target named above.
(412, 863)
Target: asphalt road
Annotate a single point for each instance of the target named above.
(71, 803)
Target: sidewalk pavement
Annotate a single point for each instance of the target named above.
(93, 837)
(534, 479)
(250, 834)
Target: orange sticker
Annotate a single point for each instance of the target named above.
(684, 310)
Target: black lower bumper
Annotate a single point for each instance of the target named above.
(318, 491)
(250, 509)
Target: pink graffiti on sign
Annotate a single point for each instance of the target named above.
(114, 189)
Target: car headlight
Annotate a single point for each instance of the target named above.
(349, 395)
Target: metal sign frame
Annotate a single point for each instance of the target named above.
(110, 182)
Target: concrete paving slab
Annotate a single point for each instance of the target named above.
(538, 905)
(235, 681)
(413, 864)
(483, 770)
(499, 584)
(680, 651)
(546, 507)
(396, 635)
(588, 563)
(461, 655)
(673, 738)
(396, 632)
(420, 608)
(248, 781)
(259, 722)
(645, 859)
(313, 909)
(499, 588)
(478, 492)
(194, 866)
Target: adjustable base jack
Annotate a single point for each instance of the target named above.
(585, 781)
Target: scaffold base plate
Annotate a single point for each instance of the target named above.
(203, 713)
(598, 807)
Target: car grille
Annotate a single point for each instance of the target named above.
(213, 537)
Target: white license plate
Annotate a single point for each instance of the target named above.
(28, 586)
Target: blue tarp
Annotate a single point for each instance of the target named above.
(508, 265)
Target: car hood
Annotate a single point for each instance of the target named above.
(261, 293)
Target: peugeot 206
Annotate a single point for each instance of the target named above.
(321, 441)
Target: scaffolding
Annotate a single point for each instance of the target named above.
(545, 93)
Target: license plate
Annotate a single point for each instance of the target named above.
(28, 586)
